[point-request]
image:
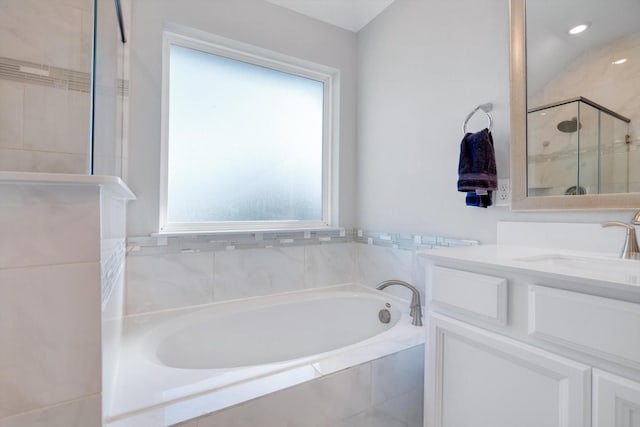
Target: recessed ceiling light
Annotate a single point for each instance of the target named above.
(619, 61)
(543, 114)
(579, 28)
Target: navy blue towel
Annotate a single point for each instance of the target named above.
(477, 175)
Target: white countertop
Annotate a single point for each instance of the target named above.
(600, 269)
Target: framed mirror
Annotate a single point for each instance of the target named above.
(575, 104)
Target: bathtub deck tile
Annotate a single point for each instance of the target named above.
(369, 418)
(397, 374)
(83, 412)
(416, 408)
(312, 404)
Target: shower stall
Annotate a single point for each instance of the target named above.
(575, 147)
(63, 86)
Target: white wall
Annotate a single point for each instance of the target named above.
(251, 21)
(422, 66)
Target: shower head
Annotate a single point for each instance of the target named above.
(569, 126)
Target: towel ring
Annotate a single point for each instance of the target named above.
(485, 108)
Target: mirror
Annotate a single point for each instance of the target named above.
(575, 104)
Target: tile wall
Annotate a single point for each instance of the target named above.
(45, 65)
(61, 264)
(164, 273)
(49, 298)
(387, 392)
(112, 261)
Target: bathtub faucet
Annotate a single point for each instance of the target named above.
(416, 308)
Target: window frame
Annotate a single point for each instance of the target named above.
(330, 77)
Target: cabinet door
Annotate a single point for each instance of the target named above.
(477, 378)
(616, 401)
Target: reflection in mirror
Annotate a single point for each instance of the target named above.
(583, 66)
(575, 104)
(577, 147)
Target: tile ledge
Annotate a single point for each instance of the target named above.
(113, 183)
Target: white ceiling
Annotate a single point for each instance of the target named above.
(550, 48)
(351, 15)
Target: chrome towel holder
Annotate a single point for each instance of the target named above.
(485, 109)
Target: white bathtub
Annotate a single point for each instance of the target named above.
(179, 364)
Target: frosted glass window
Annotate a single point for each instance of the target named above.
(245, 141)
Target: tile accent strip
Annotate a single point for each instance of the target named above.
(409, 241)
(154, 245)
(50, 76)
(44, 75)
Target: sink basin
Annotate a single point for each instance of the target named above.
(601, 268)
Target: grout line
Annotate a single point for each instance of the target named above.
(29, 267)
(53, 406)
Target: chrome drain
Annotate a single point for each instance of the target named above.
(384, 315)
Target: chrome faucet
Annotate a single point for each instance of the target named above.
(416, 308)
(630, 249)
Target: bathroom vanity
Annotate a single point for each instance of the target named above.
(531, 337)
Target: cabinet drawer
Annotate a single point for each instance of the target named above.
(603, 327)
(473, 294)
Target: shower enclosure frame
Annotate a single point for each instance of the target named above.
(600, 109)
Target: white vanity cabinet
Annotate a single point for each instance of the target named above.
(482, 379)
(514, 347)
(616, 401)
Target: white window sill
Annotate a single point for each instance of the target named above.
(282, 231)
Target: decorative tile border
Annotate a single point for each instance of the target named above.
(153, 245)
(44, 75)
(50, 76)
(228, 241)
(408, 241)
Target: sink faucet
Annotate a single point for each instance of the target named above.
(416, 308)
(630, 249)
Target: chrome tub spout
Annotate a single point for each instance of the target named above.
(416, 308)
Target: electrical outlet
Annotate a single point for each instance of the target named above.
(503, 193)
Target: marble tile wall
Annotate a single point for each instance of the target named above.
(170, 280)
(45, 107)
(112, 261)
(49, 296)
(387, 392)
(164, 273)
